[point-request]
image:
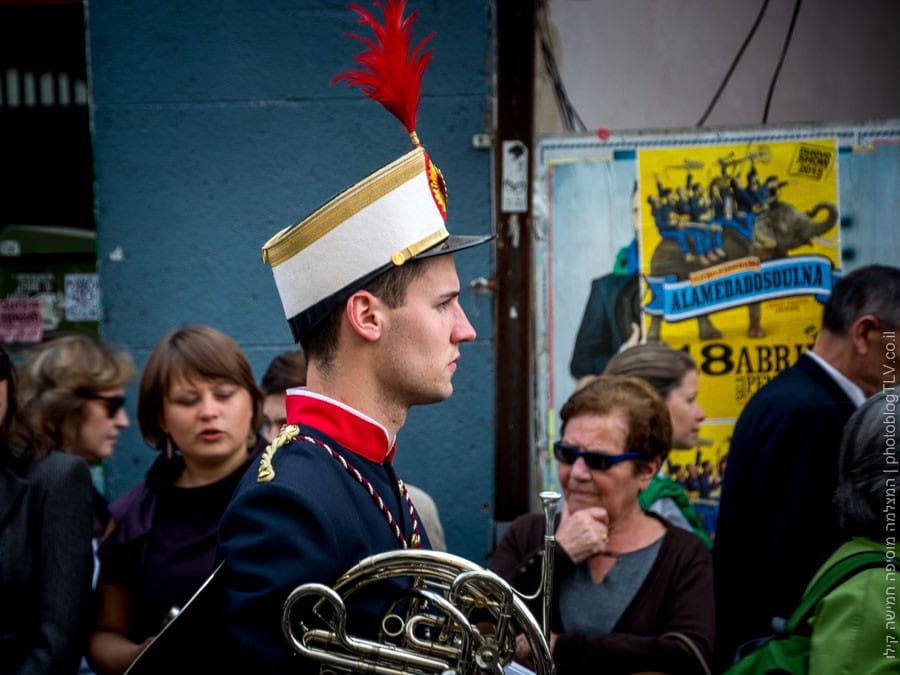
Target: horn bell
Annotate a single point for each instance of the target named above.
(452, 617)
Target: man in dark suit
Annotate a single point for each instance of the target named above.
(776, 522)
(610, 316)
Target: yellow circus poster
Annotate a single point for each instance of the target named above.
(739, 248)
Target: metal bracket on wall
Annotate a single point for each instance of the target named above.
(482, 141)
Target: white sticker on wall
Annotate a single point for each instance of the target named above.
(514, 189)
(82, 297)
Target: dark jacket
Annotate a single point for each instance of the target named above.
(46, 563)
(310, 523)
(676, 596)
(777, 523)
(606, 323)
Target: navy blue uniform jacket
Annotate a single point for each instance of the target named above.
(310, 522)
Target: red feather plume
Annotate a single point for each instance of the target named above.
(390, 72)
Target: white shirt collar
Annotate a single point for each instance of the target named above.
(853, 392)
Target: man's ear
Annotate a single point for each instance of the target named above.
(364, 314)
(861, 331)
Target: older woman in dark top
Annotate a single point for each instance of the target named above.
(200, 407)
(631, 591)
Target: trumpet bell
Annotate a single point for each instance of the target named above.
(450, 616)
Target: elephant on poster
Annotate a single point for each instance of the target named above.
(776, 231)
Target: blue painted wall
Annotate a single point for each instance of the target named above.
(214, 126)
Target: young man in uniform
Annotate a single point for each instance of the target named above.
(369, 287)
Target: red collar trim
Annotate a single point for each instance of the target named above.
(358, 433)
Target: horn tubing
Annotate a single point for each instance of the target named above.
(549, 501)
(470, 617)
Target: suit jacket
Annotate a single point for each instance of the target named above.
(606, 323)
(777, 523)
(46, 563)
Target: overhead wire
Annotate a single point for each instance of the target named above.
(784, 48)
(570, 118)
(737, 58)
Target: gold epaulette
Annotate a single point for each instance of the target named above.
(266, 472)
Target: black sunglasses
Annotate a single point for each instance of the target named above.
(113, 403)
(595, 460)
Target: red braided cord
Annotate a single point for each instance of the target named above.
(416, 538)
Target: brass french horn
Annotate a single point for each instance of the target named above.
(452, 618)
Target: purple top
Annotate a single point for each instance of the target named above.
(163, 547)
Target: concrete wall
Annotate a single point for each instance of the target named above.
(214, 126)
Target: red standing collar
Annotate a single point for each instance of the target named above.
(358, 433)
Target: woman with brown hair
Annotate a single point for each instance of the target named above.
(199, 406)
(673, 373)
(73, 391)
(631, 592)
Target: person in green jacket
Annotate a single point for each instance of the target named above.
(855, 628)
(673, 373)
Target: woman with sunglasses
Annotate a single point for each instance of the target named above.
(73, 392)
(199, 407)
(45, 545)
(631, 592)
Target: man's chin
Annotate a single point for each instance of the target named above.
(435, 396)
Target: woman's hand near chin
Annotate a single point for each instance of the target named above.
(584, 533)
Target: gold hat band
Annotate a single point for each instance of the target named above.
(416, 248)
(291, 240)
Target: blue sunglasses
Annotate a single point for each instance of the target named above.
(595, 460)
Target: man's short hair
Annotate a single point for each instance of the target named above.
(322, 341)
(874, 289)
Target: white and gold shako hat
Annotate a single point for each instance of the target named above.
(390, 217)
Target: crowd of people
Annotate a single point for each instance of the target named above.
(256, 489)
(92, 583)
(87, 584)
(804, 492)
(699, 479)
(695, 215)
